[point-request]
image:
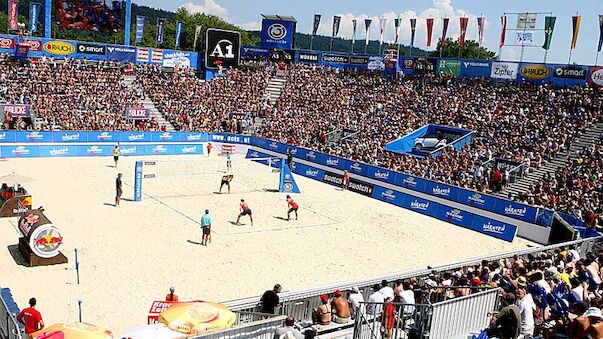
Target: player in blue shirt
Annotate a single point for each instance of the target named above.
(206, 227)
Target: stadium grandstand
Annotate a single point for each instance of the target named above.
(498, 220)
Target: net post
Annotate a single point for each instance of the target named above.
(138, 181)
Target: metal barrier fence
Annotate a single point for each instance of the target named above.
(460, 316)
(260, 329)
(443, 320)
(9, 328)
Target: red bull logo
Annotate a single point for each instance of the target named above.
(45, 241)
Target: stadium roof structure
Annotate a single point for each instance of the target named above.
(279, 17)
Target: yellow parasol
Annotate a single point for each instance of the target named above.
(197, 317)
(73, 331)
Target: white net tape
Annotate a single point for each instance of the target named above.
(207, 167)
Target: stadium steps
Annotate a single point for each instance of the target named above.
(521, 186)
(274, 89)
(13, 308)
(147, 103)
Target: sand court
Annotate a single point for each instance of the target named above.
(131, 255)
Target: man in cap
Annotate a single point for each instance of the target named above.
(386, 290)
(322, 314)
(171, 296)
(595, 330)
(341, 309)
(355, 300)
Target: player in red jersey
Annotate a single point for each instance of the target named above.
(293, 206)
(346, 180)
(245, 210)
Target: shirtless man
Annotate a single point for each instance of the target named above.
(595, 330)
(341, 308)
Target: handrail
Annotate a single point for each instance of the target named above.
(451, 144)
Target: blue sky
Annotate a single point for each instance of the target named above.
(246, 13)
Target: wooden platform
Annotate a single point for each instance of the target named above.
(33, 260)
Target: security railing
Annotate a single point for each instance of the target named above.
(259, 329)
(9, 328)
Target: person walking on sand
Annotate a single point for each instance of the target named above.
(206, 226)
(116, 154)
(245, 210)
(346, 180)
(228, 161)
(293, 206)
(209, 147)
(118, 190)
(31, 318)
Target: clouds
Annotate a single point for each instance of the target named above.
(439, 9)
(207, 7)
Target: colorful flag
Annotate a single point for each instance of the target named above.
(382, 22)
(503, 22)
(575, 29)
(354, 24)
(367, 27)
(13, 12)
(463, 23)
(159, 33)
(178, 32)
(429, 30)
(397, 22)
(413, 29)
(549, 26)
(445, 22)
(481, 22)
(336, 23)
(197, 32)
(34, 14)
(139, 28)
(316, 23)
(600, 32)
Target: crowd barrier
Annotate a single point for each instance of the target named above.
(58, 49)
(9, 328)
(258, 329)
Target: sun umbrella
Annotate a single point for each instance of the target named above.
(197, 317)
(155, 331)
(73, 331)
(11, 179)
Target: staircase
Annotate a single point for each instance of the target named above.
(521, 185)
(129, 81)
(274, 89)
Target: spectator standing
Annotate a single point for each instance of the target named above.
(171, 296)
(375, 300)
(118, 190)
(506, 324)
(288, 331)
(31, 318)
(356, 300)
(386, 290)
(526, 308)
(270, 299)
(206, 227)
(389, 318)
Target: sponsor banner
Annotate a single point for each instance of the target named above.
(8, 136)
(451, 67)
(425, 65)
(58, 151)
(525, 38)
(138, 181)
(252, 154)
(34, 45)
(135, 137)
(95, 150)
(381, 174)
(475, 199)
(121, 53)
(157, 55)
(222, 49)
(103, 136)
(33, 136)
(359, 60)
(376, 63)
(188, 149)
(15, 110)
(411, 182)
(475, 69)
(13, 10)
(515, 210)
(128, 150)
(59, 47)
(308, 57)
(84, 48)
(165, 136)
(19, 151)
(277, 54)
(308, 171)
(7, 43)
(142, 54)
(230, 138)
(441, 190)
(250, 52)
(335, 162)
(178, 59)
(354, 186)
(193, 137)
(408, 64)
(387, 195)
(570, 72)
(420, 205)
(504, 70)
(454, 216)
(137, 113)
(159, 149)
(535, 72)
(494, 228)
(356, 168)
(277, 33)
(70, 136)
(596, 76)
(335, 58)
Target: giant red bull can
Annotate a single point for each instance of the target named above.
(43, 238)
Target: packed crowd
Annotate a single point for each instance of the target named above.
(92, 15)
(69, 95)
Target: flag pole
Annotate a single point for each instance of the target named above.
(597, 59)
(311, 40)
